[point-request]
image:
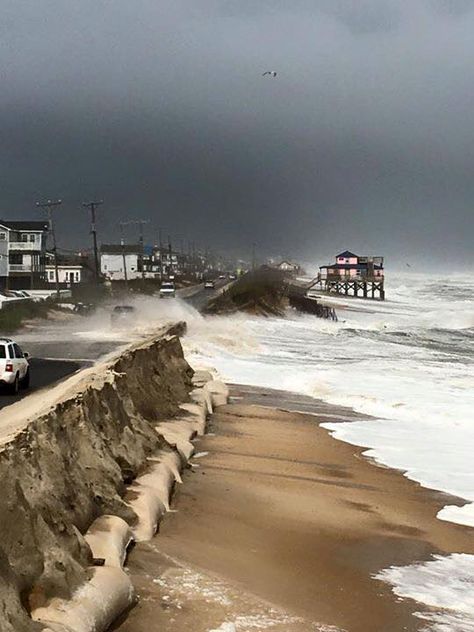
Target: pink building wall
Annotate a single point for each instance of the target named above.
(349, 260)
(352, 272)
(349, 272)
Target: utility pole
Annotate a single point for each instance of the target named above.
(170, 256)
(160, 231)
(92, 207)
(50, 206)
(124, 258)
(141, 223)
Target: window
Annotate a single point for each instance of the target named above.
(3, 354)
(15, 258)
(18, 351)
(11, 355)
(32, 237)
(3, 236)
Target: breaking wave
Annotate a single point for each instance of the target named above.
(407, 363)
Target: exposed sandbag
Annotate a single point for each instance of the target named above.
(219, 392)
(109, 538)
(201, 377)
(197, 410)
(171, 460)
(202, 397)
(178, 433)
(149, 510)
(93, 607)
(149, 495)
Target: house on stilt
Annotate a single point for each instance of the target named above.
(352, 275)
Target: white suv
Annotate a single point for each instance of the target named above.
(14, 367)
(167, 289)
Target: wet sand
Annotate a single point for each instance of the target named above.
(285, 522)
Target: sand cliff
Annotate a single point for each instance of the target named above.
(72, 464)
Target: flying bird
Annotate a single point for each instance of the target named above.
(272, 73)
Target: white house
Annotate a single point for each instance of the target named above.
(287, 266)
(67, 274)
(71, 269)
(156, 262)
(112, 261)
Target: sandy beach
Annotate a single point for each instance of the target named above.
(279, 526)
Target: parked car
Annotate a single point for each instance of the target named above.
(232, 277)
(123, 315)
(14, 366)
(167, 289)
(221, 276)
(209, 285)
(17, 293)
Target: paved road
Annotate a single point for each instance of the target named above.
(60, 349)
(43, 373)
(200, 299)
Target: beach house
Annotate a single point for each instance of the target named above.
(353, 275)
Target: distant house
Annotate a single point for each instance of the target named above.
(115, 259)
(71, 269)
(351, 274)
(287, 266)
(22, 254)
(149, 262)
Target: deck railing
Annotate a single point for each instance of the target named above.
(33, 246)
(342, 278)
(20, 267)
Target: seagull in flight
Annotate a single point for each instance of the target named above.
(272, 73)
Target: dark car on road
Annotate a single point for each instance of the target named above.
(123, 315)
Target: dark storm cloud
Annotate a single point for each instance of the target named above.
(365, 139)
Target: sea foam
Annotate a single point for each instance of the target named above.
(407, 363)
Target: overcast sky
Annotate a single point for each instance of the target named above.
(364, 140)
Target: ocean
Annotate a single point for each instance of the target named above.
(408, 364)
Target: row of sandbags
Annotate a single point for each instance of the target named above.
(109, 592)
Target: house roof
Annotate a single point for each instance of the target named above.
(118, 249)
(346, 253)
(62, 264)
(24, 225)
(67, 260)
(350, 266)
